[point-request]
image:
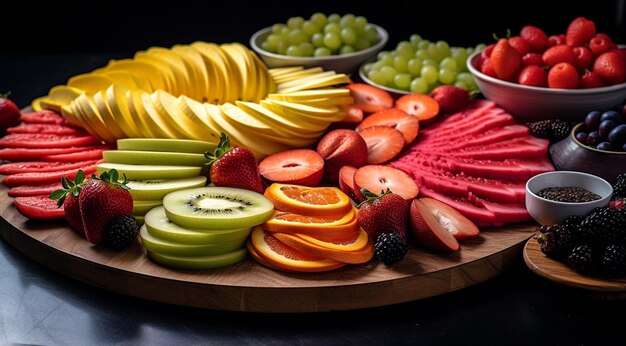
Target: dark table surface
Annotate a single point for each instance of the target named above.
(39, 306)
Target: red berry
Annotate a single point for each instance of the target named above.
(9, 114)
(600, 44)
(520, 45)
(563, 76)
(536, 38)
(612, 44)
(506, 61)
(611, 67)
(556, 40)
(583, 57)
(557, 54)
(532, 59)
(450, 98)
(487, 68)
(591, 79)
(533, 75)
(489, 49)
(579, 32)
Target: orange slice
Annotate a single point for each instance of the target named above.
(276, 254)
(344, 244)
(363, 253)
(304, 200)
(324, 227)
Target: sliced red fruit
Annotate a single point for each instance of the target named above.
(429, 228)
(43, 117)
(383, 143)
(38, 140)
(48, 129)
(293, 166)
(376, 178)
(34, 190)
(346, 181)
(39, 207)
(92, 154)
(44, 177)
(393, 117)
(354, 116)
(368, 98)
(41, 166)
(440, 217)
(24, 154)
(421, 106)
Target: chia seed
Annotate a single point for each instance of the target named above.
(571, 194)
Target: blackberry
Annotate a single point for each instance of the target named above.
(541, 129)
(604, 225)
(582, 259)
(390, 248)
(614, 261)
(556, 241)
(619, 189)
(121, 232)
(560, 129)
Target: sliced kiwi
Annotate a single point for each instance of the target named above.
(199, 262)
(217, 208)
(140, 208)
(166, 247)
(156, 189)
(153, 158)
(141, 172)
(163, 144)
(161, 227)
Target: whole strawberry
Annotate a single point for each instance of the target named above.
(9, 114)
(234, 167)
(579, 32)
(506, 61)
(101, 199)
(536, 38)
(384, 213)
(451, 98)
(611, 67)
(68, 198)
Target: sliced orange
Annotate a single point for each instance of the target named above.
(304, 200)
(359, 255)
(344, 232)
(345, 244)
(276, 254)
(339, 226)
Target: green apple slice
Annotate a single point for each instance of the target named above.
(217, 208)
(143, 172)
(133, 157)
(142, 207)
(201, 262)
(161, 227)
(166, 247)
(155, 189)
(165, 144)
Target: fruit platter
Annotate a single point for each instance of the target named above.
(199, 175)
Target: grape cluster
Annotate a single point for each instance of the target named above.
(604, 130)
(321, 35)
(419, 66)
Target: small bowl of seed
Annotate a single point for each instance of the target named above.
(553, 196)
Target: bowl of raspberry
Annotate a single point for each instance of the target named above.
(535, 76)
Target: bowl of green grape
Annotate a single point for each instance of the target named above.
(333, 42)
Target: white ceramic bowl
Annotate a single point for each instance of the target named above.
(345, 63)
(528, 103)
(548, 212)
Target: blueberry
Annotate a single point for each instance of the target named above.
(582, 137)
(618, 134)
(604, 146)
(605, 128)
(592, 120)
(612, 115)
(593, 138)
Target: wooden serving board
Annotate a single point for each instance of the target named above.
(561, 273)
(248, 286)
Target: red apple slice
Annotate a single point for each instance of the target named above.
(293, 166)
(377, 178)
(437, 225)
(383, 143)
(395, 118)
(346, 181)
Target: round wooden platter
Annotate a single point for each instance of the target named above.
(561, 273)
(248, 286)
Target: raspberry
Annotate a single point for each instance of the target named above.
(390, 248)
(121, 232)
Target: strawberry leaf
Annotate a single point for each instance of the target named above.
(222, 148)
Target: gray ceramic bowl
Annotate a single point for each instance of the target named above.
(548, 212)
(345, 63)
(534, 103)
(570, 154)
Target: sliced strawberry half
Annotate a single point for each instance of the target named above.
(293, 166)
(34, 190)
(421, 106)
(376, 178)
(383, 143)
(346, 181)
(368, 98)
(428, 215)
(39, 207)
(395, 118)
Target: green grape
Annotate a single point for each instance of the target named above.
(415, 39)
(429, 73)
(310, 28)
(371, 34)
(462, 84)
(272, 42)
(430, 62)
(378, 65)
(460, 55)
(423, 44)
(294, 51)
(368, 67)
(389, 72)
(332, 27)
(443, 48)
(297, 36)
(295, 22)
(449, 64)
(278, 28)
(414, 66)
(322, 51)
(377, 77)
(465, 77)
(306, 48)
(281, 47)
(400, 63)
(359, 24)
(402, 81)
(318, 39)
(334, 18)
(346, 49)
(480, 47)
(470, 50)
(387, 59)
(446, 76)
(332, 40)
(382, 54)
(348, 36)
(361, 43)
(418, 86)
(284, 32)
(434, 52)
(266, 46)
(422, 54)
(405, 49)
(347, 21)
(319, 19)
